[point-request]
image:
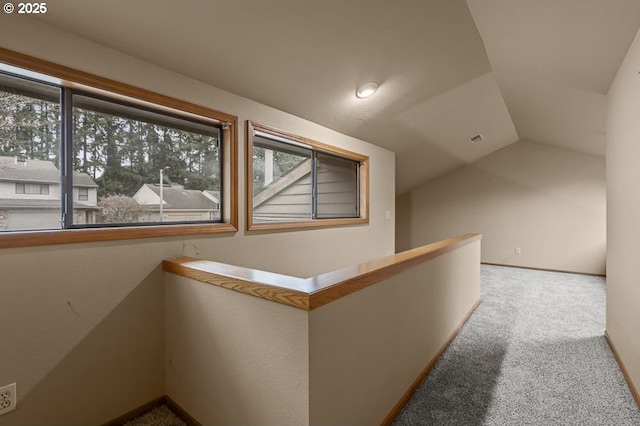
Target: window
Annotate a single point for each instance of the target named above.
(31, 188)
(146, 166)
(89, 159)
(297, 182)
(83, 194)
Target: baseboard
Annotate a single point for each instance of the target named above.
(188, 418)
(163, 400)
(545, 269)
(623, 368)
(127, 417)
(425, 372)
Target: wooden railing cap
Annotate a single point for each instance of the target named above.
(310, 293)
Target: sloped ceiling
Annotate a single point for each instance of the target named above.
(554, 62)
(508, 70)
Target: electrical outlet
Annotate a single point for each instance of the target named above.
(7, 398)
(518, 250)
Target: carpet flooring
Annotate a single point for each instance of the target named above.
(158, 416)
(533, 353)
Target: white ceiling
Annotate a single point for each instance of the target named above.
(508, 70)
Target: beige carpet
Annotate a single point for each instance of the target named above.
(533, 353)
(159, 416)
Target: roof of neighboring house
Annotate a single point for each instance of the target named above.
(213, 195)
(281, 183)
(177, 198)
(40, 171)
(17, 204)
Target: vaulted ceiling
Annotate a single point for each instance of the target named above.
(509, 70)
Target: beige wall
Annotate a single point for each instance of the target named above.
(365, 350)
(83, 324)
(623, 212)
(234, 358)
(548, 201)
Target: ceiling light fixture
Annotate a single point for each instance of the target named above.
(367, 89)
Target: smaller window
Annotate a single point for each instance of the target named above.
(32, 188)
(83, 194)
(296, 182)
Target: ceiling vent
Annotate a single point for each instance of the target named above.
(476, 139)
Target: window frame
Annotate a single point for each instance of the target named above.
(319, 147)
(125, 93)
(141, 109)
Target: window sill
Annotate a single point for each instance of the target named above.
(72, 236)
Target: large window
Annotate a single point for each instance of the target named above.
(297, 182)
(78, 157)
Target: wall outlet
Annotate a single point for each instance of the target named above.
(7, 398)
(518, 250)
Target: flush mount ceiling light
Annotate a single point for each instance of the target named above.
(367, 89)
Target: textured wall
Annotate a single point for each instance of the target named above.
(550, 202)
(365, 350)
(234, 358)
(623, 212)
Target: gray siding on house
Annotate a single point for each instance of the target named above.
(292, 203)
(337, 195)
(337, 187)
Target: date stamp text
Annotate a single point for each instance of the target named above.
(25, 8)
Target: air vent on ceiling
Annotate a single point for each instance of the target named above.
(476, 139)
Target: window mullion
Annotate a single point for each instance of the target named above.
(358, 191)
(314, 185)
(66, 159)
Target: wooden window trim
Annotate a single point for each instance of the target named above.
(71, 77)
(318, 146)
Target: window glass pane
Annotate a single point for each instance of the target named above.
(282, 182)
(29, 155)
(83, 194)
(337, 181)
(137, 166)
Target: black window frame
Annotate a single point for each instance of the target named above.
(67, 145)
(66, 153)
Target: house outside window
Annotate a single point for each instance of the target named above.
(156, 168)
(297, 182)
